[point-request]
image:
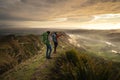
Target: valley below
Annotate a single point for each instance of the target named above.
(102, 43)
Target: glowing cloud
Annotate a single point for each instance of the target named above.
(74, 14)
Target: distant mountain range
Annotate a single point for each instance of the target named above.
(25, 31)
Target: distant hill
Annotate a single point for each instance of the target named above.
(25, 31)
(104, 43)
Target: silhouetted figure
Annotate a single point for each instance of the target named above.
(55, 37)
(46, 41)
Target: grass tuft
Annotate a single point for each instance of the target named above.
(74, 65)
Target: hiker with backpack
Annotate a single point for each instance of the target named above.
(46, 41)
(55, 37)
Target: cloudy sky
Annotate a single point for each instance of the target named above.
(72, 14)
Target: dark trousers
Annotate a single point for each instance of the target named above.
(55, 46)
(48, 51)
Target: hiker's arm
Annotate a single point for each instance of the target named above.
(59, 35)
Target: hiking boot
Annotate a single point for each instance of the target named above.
(54, 52)
(48, 57)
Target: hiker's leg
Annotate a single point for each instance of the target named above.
(47, 49)
(50, 50)
(54, 47)
(56, 44)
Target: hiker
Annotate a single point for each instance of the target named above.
(55, 37)
(46, 41)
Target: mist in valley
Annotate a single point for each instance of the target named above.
(103, 43)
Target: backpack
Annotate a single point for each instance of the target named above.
(44, 38)
(54, 37)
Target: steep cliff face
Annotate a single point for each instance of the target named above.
(15, 49)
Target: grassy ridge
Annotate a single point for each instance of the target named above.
(79, 66)
(16, 49)
(66, 65)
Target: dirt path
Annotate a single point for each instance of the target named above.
(43, 71)
(35, 68)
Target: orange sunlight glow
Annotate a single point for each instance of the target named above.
(100, 22)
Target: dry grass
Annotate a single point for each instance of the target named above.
(79, 66)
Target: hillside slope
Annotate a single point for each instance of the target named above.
(67, 64)
(31, 58)
(15, 49)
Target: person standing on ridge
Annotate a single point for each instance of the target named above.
(46, 41)
(55, 37)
